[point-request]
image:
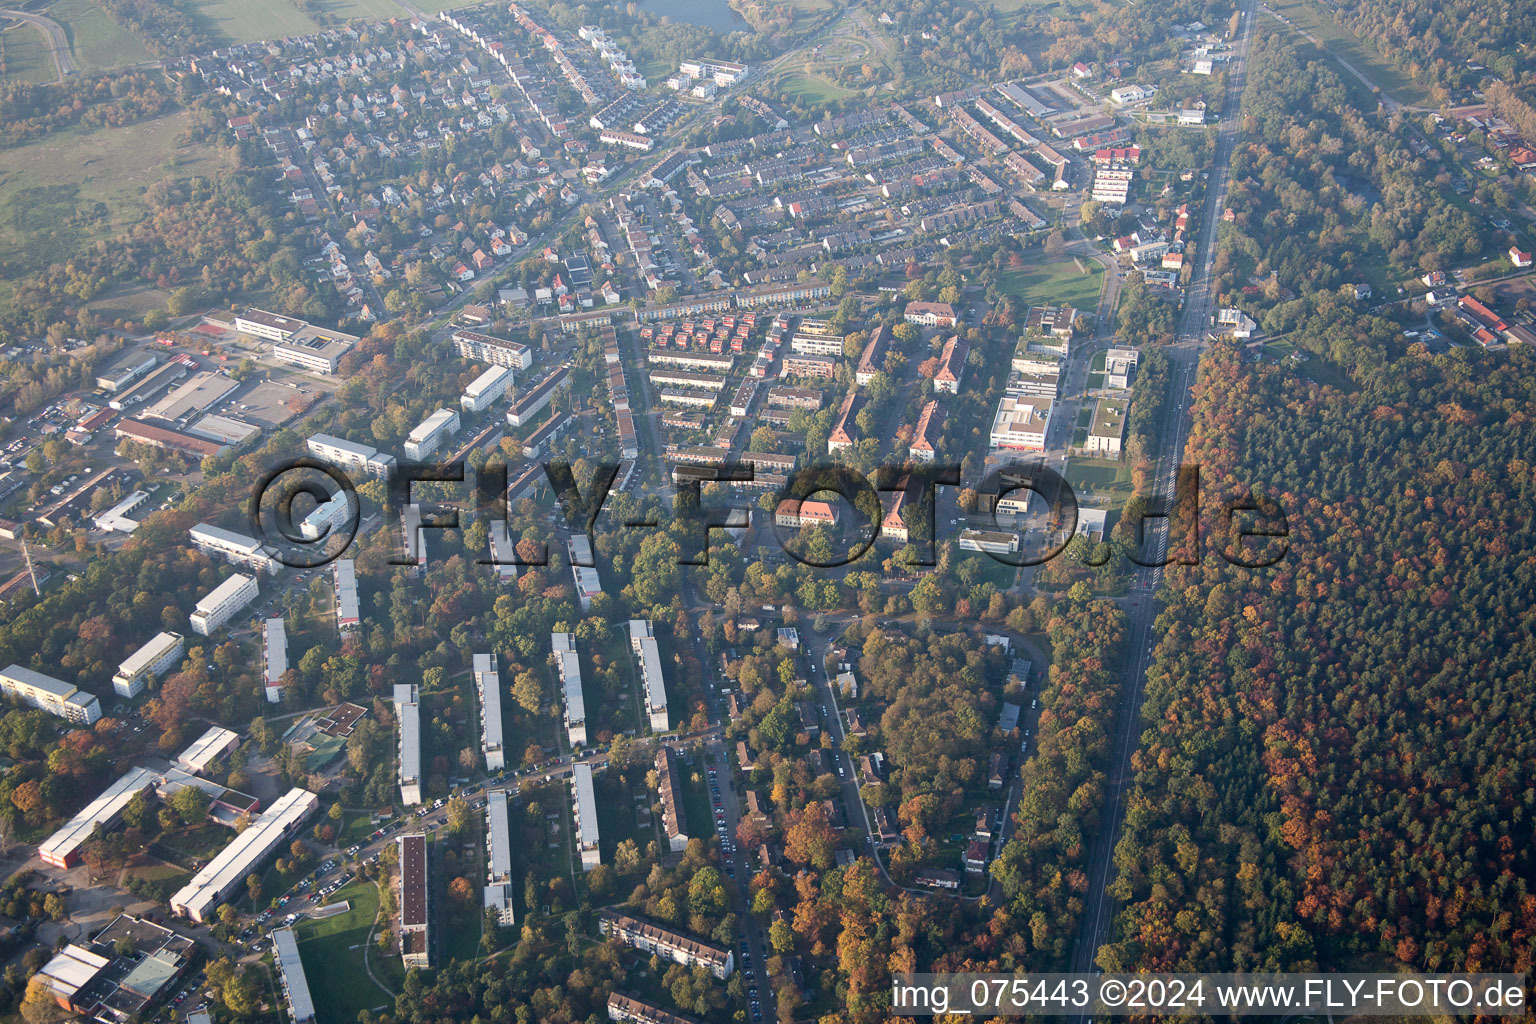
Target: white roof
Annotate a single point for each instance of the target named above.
(318, 442)
(206, 748)
(234, 862)
(277, 650)
(346, 591)
(586, 805)
(488, 682)
(432, 424)
(224, 592)
(495, 377)
(71, 968)
(570, 675)
(285, 946)
(410, 741)
(150, 653)
(499, 833)
(650, 671)
(101, 810)
(228, 540)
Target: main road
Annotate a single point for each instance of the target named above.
(1098, 911)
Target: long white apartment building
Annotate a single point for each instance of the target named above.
(430, 434)
(584, 803)
(1021, 422)
(415, 540)
(347, 615)
(486, 389)
(223, 603)
(274, 658)
(408, 714)
(488, 685)
(290, 967)
(498, 858)
(502, 550)
(348, 455)
(62, 849)
(329, 517)
(151, 661)
(226, 873)
(583, 570)
(44, 692)
(229, 546)
(642, 641)
(568, 664)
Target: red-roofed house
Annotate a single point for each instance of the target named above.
(1518, 258)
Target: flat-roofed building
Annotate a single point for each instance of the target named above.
(328, 518)
(68, 972)
(669, 788)
(642, 641)
(234, 548)
(583, 570)
(271, 326)
(568, 665)
(415, 902)
(223, 603)
(989, 541)
(46, 693)
(182, 402)
(274, 661)
(785, 397)
(316, 349)
(290, 967)
(584, 803)
(679, 947)
(207, 748)
(498, 859)
(1107, 432)
(430, 434)
(1119, 364)
(503, 551)
(629, 1010)
(488, 686)
(226, 873)
(486, 348)
(154, 659)
(347, 614)
(486, 389)
(346, 454)
(1021, 423)
(124, 517)
(62, 849)
(408, 715)
(125, 369)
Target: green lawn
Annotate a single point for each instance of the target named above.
(1054, 284)
(26, 57)
(332, 951)
(810, 88)
(244, 21)
(95, 40)
(1099, 479)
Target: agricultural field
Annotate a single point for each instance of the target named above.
(95, 40)
(241, 21)
(24, 56)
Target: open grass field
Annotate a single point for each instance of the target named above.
(1098, 479)
(382, 10)
(245, 21)
(332, 950)
(1055, 284)
(1312, 19)
(95, 180)
(25, 56)
(812, 88)
(95, 40)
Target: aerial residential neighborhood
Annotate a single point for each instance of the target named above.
(705, 513)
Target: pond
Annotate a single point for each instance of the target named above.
(712, 14)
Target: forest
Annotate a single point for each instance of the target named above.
(28, 111)
(1437, 40)
(1333, 768)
